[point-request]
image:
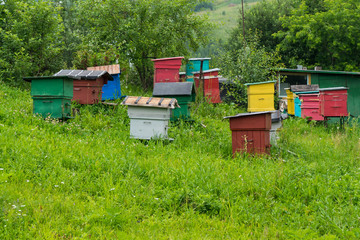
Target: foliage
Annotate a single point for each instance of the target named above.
(264, 19)
(30, 42)
(141, 30)
(322, 33)
(87, 179)
(204, 5)
(248, 62)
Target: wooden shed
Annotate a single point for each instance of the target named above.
(112, 89)
(325, 79)
(149, 117)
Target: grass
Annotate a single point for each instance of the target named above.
(87, 179)
(225, 16)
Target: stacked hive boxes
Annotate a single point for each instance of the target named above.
(52, 96)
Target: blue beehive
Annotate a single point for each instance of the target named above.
(194, 65)
(111, 90)
(297, 104)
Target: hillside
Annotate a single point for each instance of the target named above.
(86, 179)
(225, 15)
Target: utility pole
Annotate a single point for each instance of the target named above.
(243, 18)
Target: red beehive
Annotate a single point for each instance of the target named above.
(333, 102)
(167, 69)
(251, 132)
(211, 84)
(87, 84)
(310, 106)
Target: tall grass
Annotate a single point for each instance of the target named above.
(87, 179)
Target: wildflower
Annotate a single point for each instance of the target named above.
(62, 182)
(56, 185)
(112, 189)
(27, 180)
(1, 169)
(14, 206)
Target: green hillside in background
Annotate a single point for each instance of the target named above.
(225, 15)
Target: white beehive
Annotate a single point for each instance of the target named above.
(149, 117)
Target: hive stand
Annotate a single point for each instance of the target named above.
(184, 92)
(149, 117)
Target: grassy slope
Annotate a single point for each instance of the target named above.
(226, 15)
(88, 179)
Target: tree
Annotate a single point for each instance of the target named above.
(30, 42)
(143, 29)
(264, 19)
(248, 62)
(324, 34)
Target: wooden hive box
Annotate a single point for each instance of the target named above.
(149, 117)
(333, 102)
(184, 92)
(251, 132)
(260, 96)
(112, 89)
(167, 69)
(87, 84)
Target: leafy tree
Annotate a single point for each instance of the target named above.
(143, 29)
(30, 42)
(324, 33)
(248, 62)
(264, 20)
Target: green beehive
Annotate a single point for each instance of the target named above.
(52, 96)
(184, 92)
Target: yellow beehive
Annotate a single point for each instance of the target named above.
(290, 101)
(260, 96)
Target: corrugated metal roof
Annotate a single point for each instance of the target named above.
(317, 71)
(151, 102)
(174, 89)
(84, 74)
(112, 69)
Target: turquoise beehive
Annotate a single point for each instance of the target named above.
(194, 65)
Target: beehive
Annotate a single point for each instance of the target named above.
(184, 92)
(112, 89)
(310, 107)
(260, 96)
(149, 117)
(251, 132)
(333, 102)
(167, 69)
(87, 84)
(52, 96)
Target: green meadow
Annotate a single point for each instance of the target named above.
(86, 179)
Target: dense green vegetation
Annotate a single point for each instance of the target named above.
(87, 179)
